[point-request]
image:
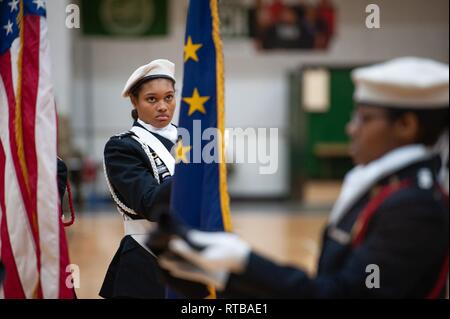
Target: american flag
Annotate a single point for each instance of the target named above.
(33, 245)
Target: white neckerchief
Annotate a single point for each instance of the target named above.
(145, 137)
(360, 179)
(169, 132)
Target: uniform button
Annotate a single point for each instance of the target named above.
(425, 178)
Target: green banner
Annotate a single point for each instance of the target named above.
(124, 18)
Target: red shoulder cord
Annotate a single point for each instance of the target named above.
(72, 211)
(363, 220)
(362, 223)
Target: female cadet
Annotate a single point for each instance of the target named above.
(138, 168)
(388, 234)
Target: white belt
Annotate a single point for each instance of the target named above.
(139, 229)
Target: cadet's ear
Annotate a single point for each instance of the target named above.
(407, 128)
(133, 100)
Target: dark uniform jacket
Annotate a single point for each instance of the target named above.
(2, 273)
(407, 238)
(133, 270)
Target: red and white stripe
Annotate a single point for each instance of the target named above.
(33, 243)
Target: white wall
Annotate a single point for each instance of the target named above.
(61, 48)
(256, 83)
(257, 87)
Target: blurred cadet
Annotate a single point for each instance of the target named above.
(388, 233)
(138, 168)
(63, 185)
(62, 178)
(2, 273)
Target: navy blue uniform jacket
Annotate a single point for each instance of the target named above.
(407, 238)
(133, 271)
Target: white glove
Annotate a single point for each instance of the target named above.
(222, 251)
(188, 271)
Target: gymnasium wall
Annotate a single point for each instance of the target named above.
(90, 73)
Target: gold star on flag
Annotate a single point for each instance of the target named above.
(196, 102)
(181, 151)
(190, 50)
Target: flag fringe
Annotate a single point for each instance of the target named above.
(224, 197)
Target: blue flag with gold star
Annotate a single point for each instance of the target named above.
(199, 193)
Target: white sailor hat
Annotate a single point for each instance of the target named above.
(408, 83)
(156, 69)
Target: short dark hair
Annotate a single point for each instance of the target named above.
(432, 123)
(134, 114)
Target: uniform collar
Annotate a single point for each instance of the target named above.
(362, 178)
(169, 132)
